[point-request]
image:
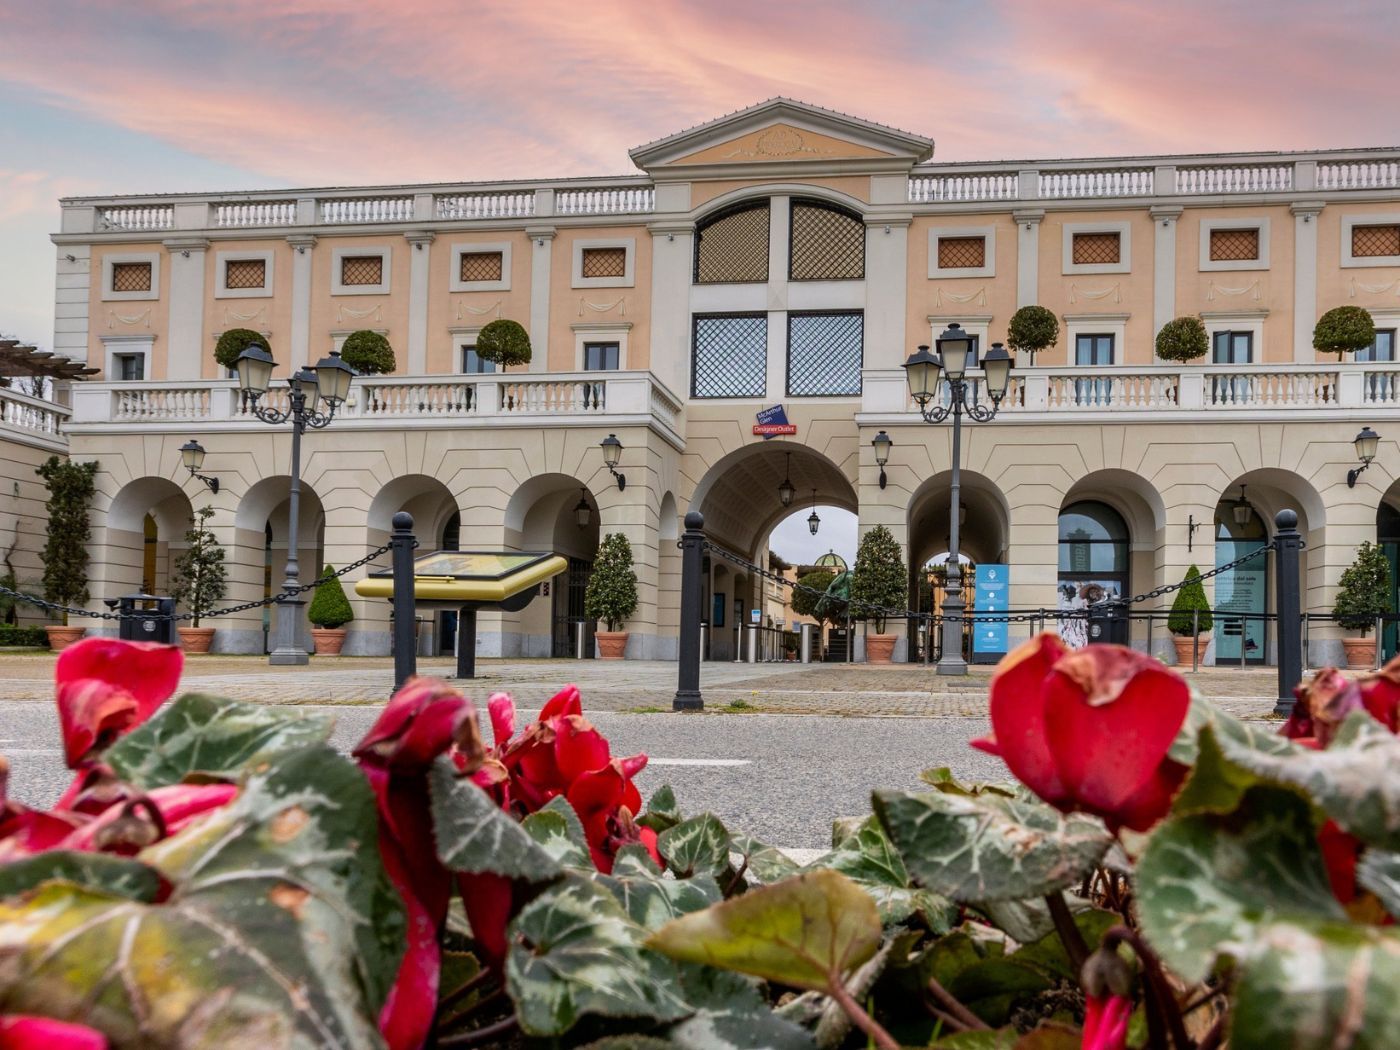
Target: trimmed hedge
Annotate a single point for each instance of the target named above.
(330, 608)
(1183, 339)
(28, 637)
(1364, 592)
(505, 342)
(1192, 596)
(234, 342)
(1032, 329)
(368, 353)
(1343, 330)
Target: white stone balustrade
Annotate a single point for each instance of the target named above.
(32, 420)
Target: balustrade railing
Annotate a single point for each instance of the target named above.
(360, 210)
(1241, 178)
(1358, 175)
(506, 204)
(552, 396)
(1261, 388)
(605, 200)
(137, 217)
(1133, 392)
(255, 213)
(450, 398)
(973, 186)
(143, 403)
(1097, 182)
(31, 413)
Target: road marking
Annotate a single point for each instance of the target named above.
(699, 762)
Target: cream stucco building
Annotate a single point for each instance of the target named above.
(782, 255)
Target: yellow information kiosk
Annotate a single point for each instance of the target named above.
(468, 581)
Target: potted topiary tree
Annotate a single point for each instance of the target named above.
(1364, 595)
(200, 581)
(70, 488)
(505, 342)
(329, 613)
(1032, 329)
(879, 579)
(1343, 330)
(234, 342)
(368, 353)
(1183, 339)
(611, 595)
(1190, 632)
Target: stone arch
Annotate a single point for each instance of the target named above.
(133, 550)
(261, 540)
(984, 534)
(744, 194)
(429, 501)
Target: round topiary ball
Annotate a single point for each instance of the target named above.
(1032, 329)
(234, 342)
(505, 342)
(368, 353)
(1344, 329)
(1183, 339)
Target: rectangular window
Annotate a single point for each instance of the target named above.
(245, 273)
(1093, 351)
(1234, 245)
(958, 253)
(481, 266)
(474, 364)
(1371, 241)
(1232, 348)
(130, 367)
(600, 357)
(1095, 249)
(131, 277)
(1383, 349)
(604, 262)
(730, 356)
(361, 269)
(825, 352)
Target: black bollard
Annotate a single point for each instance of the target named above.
(1290, 622)
(405, 607)
(688, 696)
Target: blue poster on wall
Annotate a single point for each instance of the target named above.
(991, 593)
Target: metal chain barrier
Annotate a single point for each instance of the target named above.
(280, 596)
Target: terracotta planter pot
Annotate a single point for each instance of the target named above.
(1361, 653)
(1183, 648)
(328, 640)
(611, 644)
(879, 647)
(195, 639)
(62, 636)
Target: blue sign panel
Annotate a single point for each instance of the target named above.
(991, 594)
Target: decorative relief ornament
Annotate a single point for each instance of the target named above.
(143, 318)
(479, 310)
(342, 312)
(1076, 293)
(1213, 289)
(620, 305)
(1373, 289)
(976, 298)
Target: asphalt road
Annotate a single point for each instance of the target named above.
(782, 778)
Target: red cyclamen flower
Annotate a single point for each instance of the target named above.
(1106, 1022)
(22, 1032)
(1089, 730)
(108, 687)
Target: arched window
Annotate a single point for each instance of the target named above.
(1093, 562)
(828, 243)
(731, 247)
(1239, 530)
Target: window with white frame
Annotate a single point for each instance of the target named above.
(128, 358)
(242, 275)
(1102, 247)
(1382, 348)
(130, 276)
(1370, 240)
(473, 363)
(480, 267)
(604, 263)
(1234, 244)
(963, 251)
(1092, 337)
(601, 357)
(360, 271)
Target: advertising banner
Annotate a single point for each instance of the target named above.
(773, 422)
(991, 594)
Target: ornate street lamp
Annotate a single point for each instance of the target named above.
(1366, 443)
(612, 456)
(328, 385)
(583, 513)
(192, 455)
(882, 442)
(1242, 512)
(923, 370)
(785, 490)
(813, 522)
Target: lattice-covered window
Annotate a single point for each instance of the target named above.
(604, 262)
(245, 273)
(828, 243)
(481, 266)
(825, 351)
(361, 269)
(1095, 249)
(732, 247)
(959, 253)
(730, 356)
(1375, 240)
(131, 277)
(1234, 245)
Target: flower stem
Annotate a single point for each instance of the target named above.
(1158, 990)
(867, 1024)
(482, 1035)
(1069, 933)
(949, 1003)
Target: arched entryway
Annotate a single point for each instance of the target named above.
(1094, 563)
(145, 532)
(263, 540)
(559, 514)
(436, 526)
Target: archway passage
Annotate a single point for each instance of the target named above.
(1093, 563)
(146, 526)
(263, 523)
(436, 526)
(557, 513)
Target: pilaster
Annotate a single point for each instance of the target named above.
(1028, 222)
(541, 258)
(886, 291)
(671, 252)
(419, 268)
(186, 335)
(300, 342)
(1164, 224)
(1304, 277)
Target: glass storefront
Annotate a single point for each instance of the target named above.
(1245, 589)
(1093, 563)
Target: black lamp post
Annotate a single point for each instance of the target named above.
(328, 382)
(1366, 443)
(954, 357)
(192, 455)
(612, 455)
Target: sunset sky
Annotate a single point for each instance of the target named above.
(169, 95)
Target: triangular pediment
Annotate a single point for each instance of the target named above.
(782, 131)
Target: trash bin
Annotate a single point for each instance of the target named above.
(1108, 622)
(146, 618)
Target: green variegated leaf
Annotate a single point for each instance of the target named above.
(807, 931)
(1379, 872)
(650, 898)
(1203, 713)
(1215, 784)
(731, 1014)
(102, 872)
(988, 847)
(1318, 984)
(1354, 781)
(662, 811)
(281, 929)
(941, 779)
(868, 859)
(1207, 883)
(473, 835)
(698, 846)
(762, 863)
(1030, 920)
(559, 832)
(574, 951)
(210, 736)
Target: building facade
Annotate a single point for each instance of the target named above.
(782, 255)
